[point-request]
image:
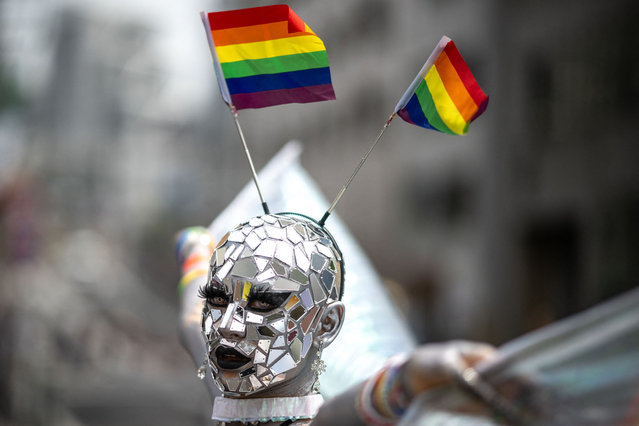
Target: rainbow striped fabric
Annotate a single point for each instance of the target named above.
(444, 96)
(266, 56)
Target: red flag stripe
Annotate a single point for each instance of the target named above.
(466, 76)
(256, 16)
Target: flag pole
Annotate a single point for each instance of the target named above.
(221, 82)
(248, 157)
(359, 166)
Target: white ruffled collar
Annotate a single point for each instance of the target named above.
(266, 409)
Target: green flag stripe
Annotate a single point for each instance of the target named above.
(428, 107)
(275, 65)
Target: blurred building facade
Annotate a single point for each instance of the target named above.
(527, 219)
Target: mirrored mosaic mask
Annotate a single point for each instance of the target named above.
(269, 282)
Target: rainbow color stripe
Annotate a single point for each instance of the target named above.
(267, 56)
(444, 96)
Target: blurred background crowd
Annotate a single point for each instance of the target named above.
(113, 137)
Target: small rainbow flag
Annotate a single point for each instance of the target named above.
(444, 96)
(266, 56)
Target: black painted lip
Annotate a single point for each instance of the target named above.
(230, 359)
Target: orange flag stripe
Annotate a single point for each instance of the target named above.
(455, 87)
(255, 33)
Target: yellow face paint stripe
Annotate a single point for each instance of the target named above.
(247, 290)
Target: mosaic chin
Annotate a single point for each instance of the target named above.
(269, 284)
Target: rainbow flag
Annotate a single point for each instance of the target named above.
(266, 56)
(444, 96)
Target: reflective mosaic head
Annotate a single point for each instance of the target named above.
(269, 285)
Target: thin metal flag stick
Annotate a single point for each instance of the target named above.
(359, 166)
(250, 160)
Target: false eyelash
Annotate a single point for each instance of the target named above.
(257, 291)
(264, 295)
(207, 292)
